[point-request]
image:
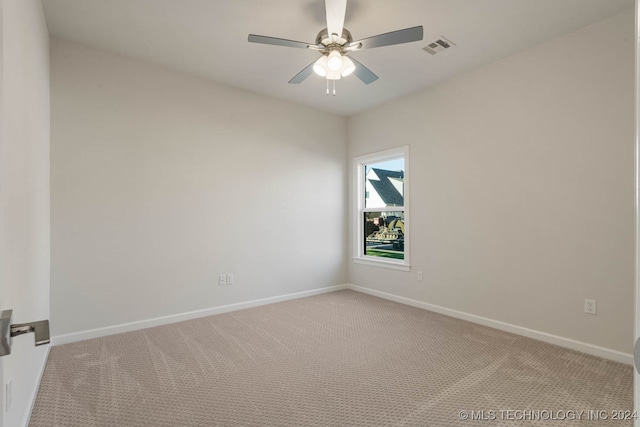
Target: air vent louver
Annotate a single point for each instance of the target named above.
(439, 45)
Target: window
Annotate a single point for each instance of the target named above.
(382, 223)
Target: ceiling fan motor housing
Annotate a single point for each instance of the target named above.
(324, 38)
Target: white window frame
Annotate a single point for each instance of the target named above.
(359, 164)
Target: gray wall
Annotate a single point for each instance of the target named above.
(161, 181)
(522, 187)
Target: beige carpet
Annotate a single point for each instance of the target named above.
(338, 359)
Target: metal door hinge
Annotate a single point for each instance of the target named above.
(40, 331)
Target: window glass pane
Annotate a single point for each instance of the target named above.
(384, 184)
(384, 234)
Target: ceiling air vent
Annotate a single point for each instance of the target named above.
(438, 46)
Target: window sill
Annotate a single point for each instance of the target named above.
(380, 263)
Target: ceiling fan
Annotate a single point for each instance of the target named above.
(335, 42)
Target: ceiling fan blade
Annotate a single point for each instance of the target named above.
(407, 35)
(363, 73)
(302, 75)
(335, 10)
(278, 42)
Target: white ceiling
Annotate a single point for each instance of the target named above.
(208, 38)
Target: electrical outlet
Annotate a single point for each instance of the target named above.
(590, 306)
(419, 276)
(222, 279)
(229, 279)
(7, 395)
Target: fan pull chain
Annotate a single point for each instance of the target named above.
(334, 87)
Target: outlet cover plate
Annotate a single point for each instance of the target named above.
(590, 306)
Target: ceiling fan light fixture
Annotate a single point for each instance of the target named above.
(320, 66)
(348, 66)
(333, 75)
(334, 61)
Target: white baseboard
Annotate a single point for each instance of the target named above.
(531, 333)
(164, 320)
(594, 350)
(34, 393)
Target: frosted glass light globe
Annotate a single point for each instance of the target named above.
(334, 62)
